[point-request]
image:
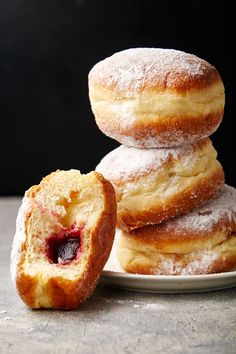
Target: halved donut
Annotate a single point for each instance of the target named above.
(65, 230)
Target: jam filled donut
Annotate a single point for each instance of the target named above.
(65, 230)
(153, 98)
(201, 242)
(153, 185)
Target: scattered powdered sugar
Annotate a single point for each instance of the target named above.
(7, 318)
(124, 161)
(3, 312)
(135, 68)
(153, 306)
(19, 237)
(221, 207)
(150, 307)
(133, 303)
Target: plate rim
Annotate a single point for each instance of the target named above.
(168, 278)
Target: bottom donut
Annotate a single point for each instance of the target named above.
(201, 242)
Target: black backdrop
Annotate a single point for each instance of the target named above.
(47, 48)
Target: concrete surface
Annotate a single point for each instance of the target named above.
(113, 321)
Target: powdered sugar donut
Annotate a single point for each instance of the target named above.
(64, 234)
(152, 97)
(153, 185)
(201, 242)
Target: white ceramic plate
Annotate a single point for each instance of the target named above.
(168, 284)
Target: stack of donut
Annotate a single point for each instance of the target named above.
(174, 213)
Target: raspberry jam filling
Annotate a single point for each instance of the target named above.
(64, 247)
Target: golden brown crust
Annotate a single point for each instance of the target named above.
(160, 236)
(168, 132)
(63, 293)
(26, 288)
(180, 203)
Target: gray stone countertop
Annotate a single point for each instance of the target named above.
(113, 321)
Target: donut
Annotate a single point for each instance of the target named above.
(154, 98)
(153, 185)
(64, 233)
(201, 242)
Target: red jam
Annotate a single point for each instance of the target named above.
(64, 247)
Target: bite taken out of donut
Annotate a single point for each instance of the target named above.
(64, 234)
(154, 98)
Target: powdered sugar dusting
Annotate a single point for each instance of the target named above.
(151, 307)
(190, 264)
(19, 237)
(136, 68)
(221, 208)
(167, 139)
(125, 162)
(198, 263)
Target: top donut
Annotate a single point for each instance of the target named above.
(153, 98)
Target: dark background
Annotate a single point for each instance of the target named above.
(47, 48)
